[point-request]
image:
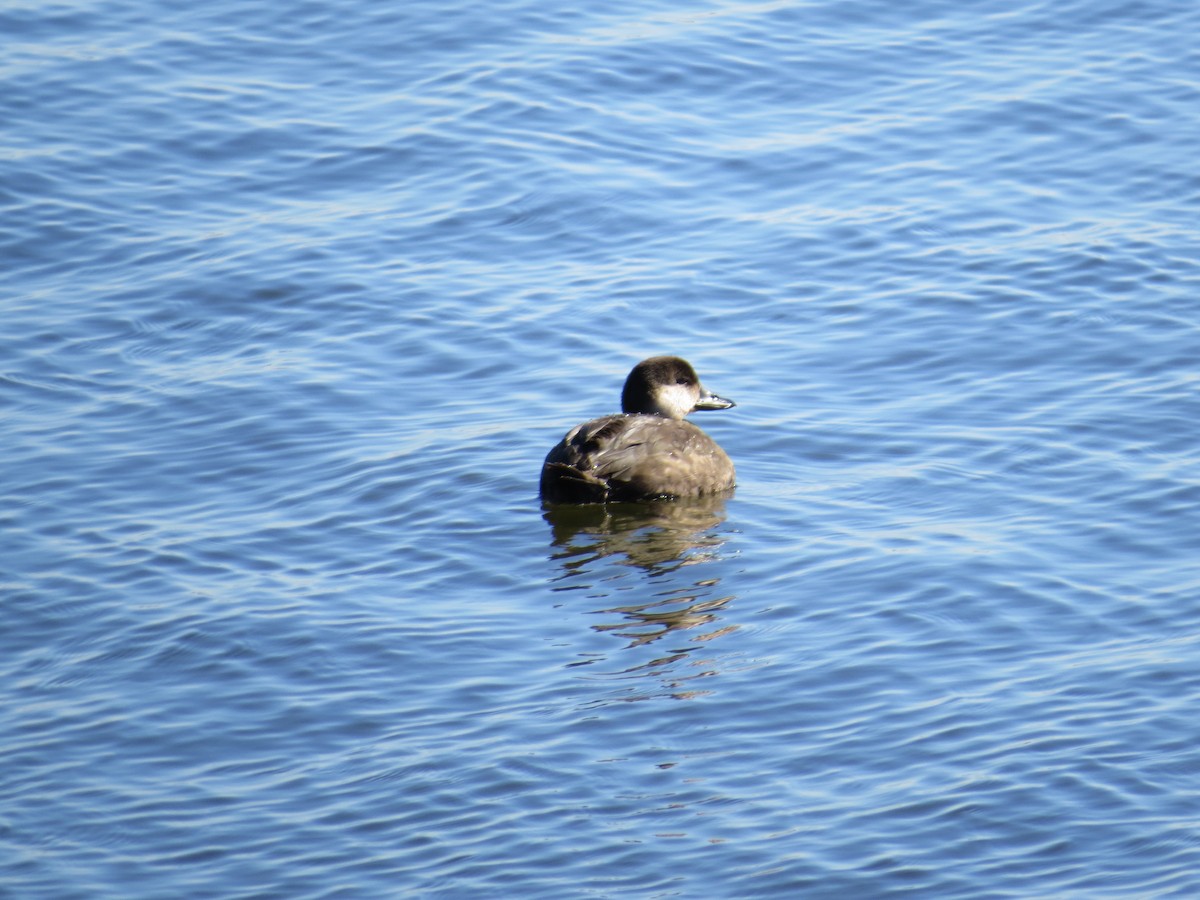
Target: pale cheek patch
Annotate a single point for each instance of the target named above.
(676, 400)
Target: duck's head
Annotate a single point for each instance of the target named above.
(667, 386)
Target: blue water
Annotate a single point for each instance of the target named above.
(296, 298)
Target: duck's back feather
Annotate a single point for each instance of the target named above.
(634, 457)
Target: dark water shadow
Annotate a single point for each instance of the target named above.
(655, 535)
(651, 567)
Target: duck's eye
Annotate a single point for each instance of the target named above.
(682, 381)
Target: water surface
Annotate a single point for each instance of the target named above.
(295, 302)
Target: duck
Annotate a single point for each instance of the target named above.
(647, 451)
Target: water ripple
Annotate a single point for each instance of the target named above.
(296, 305)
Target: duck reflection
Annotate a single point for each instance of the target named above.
(656, 535)
(653, 548)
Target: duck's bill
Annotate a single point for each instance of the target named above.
(709, 400)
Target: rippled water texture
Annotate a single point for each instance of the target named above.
(295, 300)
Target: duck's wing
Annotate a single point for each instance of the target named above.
(572, 472)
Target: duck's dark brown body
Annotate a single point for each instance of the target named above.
(640, 454)
(634, 457)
